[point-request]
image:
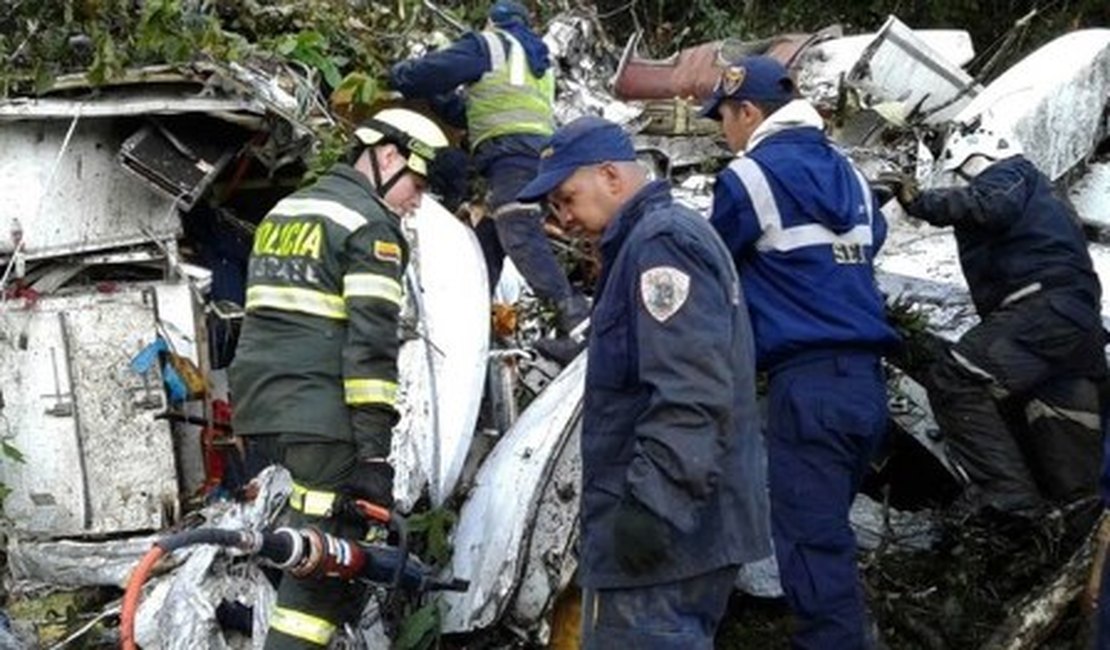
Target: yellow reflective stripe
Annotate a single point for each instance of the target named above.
(334, 211)
(370, 391)
(307, 301)
(301, 626)
(315, 503)
(371, 285)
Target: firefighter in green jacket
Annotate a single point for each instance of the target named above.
(314, 378)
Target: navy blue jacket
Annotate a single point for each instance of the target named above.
(1012, 231)
(803, 229)
(670, 414)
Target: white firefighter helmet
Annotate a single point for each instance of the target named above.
(976, 139)
(417, 136)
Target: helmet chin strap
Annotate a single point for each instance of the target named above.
(383, 188)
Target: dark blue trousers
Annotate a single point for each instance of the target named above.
(681, 615)
(828, 416)
(516, 230)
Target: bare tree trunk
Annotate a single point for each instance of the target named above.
(1035, 616)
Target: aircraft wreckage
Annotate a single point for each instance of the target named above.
(130, 213)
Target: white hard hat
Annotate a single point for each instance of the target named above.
(416, 135)
(976, 139)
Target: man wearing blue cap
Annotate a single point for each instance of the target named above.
(510, 87)
(673, 490)
(803, 229)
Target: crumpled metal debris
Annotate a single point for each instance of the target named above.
(760, 578)
(581, 91)
(696, 191)
(73, 564)
(178, 610)
(876, 525)
(682, 152)
(524, 459)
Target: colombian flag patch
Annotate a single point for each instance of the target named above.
(387, 251)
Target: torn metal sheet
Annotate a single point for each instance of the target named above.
(822, 66)
(507, 495)
(760, 578)
(696, 191)
(677, 117)
(97, 459)
(876, 525)
(900, 66)
(1100, 258)
(573, 41)
(242, 92)
(694, 71)
(911, 410)
(1053, 100)
(145, 101)
(826, 61)
(415, 433)
(91, 203)
(682, 152)
(179, 163)
(443, 370)
(1091, 196)
(551, 562)
(72, 564)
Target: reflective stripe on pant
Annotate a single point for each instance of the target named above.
(301, 626)
(680, 615)
(1064, 438)
(318, 469)
(827, 418)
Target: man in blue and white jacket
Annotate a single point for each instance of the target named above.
(803, 230)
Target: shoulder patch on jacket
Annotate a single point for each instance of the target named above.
(664, 290)
(387, 251)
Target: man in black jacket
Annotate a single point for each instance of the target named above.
(1038, 348)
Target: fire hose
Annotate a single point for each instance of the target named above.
(303, 553)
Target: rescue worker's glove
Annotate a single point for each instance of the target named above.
(640, 539)
(900, 185)
(372, 480)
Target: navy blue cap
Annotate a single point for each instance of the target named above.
(507, 12)
(752, 78)
(586, 141)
